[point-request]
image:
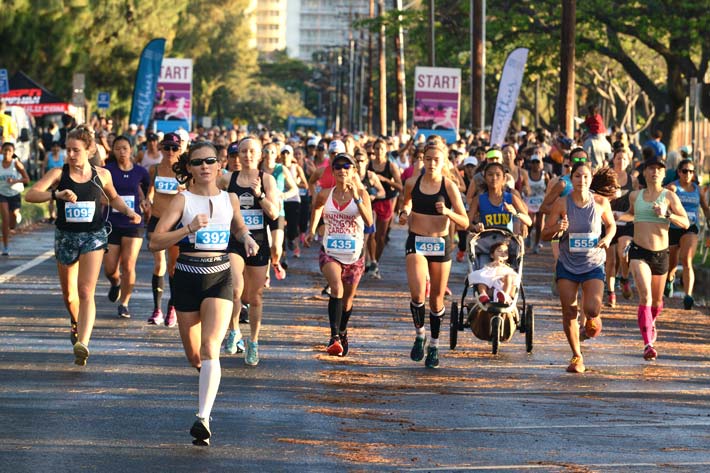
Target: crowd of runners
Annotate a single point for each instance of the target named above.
(224, 211)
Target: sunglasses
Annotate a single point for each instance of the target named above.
(339, 166)
(171, 147)
(199, 162)
(579, 160)
(687, 171)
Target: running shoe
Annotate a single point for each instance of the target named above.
(447, 291)
(325, 291)
(74, 332)
(459, 256)
(344, 343)
(251, 355)
(81, 353)
(201, 431)
(375, 274)
(230, 343)
(267, 282)
(593, 326)
(688, 302)
(284, 263)
(123, 312)
(576, 365)
(297, 252)
(368, 268)
(626, 289)
(171, 319)
(244, 314)
(610, 300)
(157, 317)
(114, 293)
(417, 353)
(649, 353)
(334, 347)
(432, 357)
(668, 289)
(279, 271)
(6, 251)
(18, 218)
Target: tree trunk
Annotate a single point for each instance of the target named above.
(567, 72)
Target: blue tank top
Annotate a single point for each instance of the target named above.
(690, 201)
(568, 185)
(495, 216)
(578, 251)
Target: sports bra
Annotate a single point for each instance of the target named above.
(643, 211)
(426, 203)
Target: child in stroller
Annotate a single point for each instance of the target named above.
(496, 281)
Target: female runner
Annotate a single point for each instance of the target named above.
(80, 237)
(346, 211)
(199, 221)
(430, 202)
(125, 238)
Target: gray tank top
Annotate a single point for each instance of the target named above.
(578, 252)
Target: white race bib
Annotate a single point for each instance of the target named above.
(430, 246)
(212, 237)
(253, 219)
(79, 212)
(582, 242)
(166, 185)
(339, 244)
(130, 201)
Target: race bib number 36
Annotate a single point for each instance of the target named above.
(253, 219)
(582, 242)
(166, 185)
(340, 244)
(212, 237)
(79, 212)
(430, 246)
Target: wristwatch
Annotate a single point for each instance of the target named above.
(262, 196)
(358, 200)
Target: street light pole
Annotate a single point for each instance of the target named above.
(432, 37)
(401, 82)
(383, 70)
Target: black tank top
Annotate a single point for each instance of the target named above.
(622, 204)
(251, 210)
(85, 214)
(386, 172)
(426, 203)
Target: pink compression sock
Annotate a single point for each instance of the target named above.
(645, 321)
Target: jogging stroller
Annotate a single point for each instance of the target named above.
(494, 322)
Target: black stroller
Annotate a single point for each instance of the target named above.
(493, 322)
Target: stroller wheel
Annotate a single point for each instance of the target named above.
(495, 333)
(454, 326)
(529, 327)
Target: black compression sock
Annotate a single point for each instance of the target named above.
(344, 320)
(158, 284)
(435, 322)
(335, 312)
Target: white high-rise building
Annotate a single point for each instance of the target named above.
(267, 24)
(322, 24)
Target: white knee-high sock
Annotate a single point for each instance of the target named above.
(210, 376)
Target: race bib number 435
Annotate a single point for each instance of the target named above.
(340, 244)
(430, 246)
(79, 212)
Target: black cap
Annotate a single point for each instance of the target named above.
(342, 157)
(655, 161)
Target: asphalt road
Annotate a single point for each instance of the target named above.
(131, 407)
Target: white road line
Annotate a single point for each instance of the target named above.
(563, 465)
(24, 267)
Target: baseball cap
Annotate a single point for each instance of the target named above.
(535, 157)
(655, 161)
(470, 161)
(233, 147)
(184, 135)
(287, 149)
(313, 141)
(336, 146)
(171, 139)
(342, 157)
(151, 136)
(132, 126)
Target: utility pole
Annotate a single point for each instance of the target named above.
(351, 83)
(399, 63)
(567, 72)
(477, 45)
(432, 36)
(370, 75)
(383, 70)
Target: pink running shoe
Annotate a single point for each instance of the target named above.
(279, 271)
(650, 353)
(297, 252)
(157, 317)
(334, 347)
(171, 319)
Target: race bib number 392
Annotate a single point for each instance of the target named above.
(212, 237)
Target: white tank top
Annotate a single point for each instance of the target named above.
(343, 239)
(11, 172)
(215, 236)
(149, 161)
(537, 193)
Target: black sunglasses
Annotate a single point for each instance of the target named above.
(687, 171)
(171, 147)
(339, 166)
(198, 162)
